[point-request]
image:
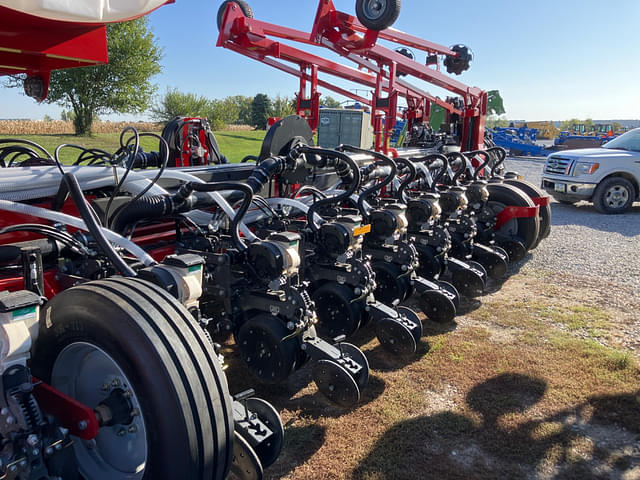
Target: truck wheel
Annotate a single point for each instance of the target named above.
(377, 14)
(126, 340)
(614, 195)
(244, 6)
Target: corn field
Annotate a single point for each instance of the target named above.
(58, 127)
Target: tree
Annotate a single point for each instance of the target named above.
(244, 108)
(495, 104)
(121, 86)
(223, 112)
(329, 102)
(179, 104)
(283, 106)
(260, 108)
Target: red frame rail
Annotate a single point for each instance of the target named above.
(377, 67)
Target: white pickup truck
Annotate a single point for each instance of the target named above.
(608, 176)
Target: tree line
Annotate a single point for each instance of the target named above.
(233, 110)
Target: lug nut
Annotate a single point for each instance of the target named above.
(121, 432)
(32, 440)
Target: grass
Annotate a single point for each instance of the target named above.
(547, 401)
(235, 145)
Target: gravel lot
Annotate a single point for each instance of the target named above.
(584, 242)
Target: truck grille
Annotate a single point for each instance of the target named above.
(558, 165)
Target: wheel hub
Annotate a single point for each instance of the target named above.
(617, 196)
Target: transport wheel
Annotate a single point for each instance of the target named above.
(354, 353)
(337, 312)
(413, 317)
(269, 450)
(126, 344)
(269, 358)
(244, 6)
(377, 14)
(614, 195)
(545, 212)
(525, 229)
(336, 383)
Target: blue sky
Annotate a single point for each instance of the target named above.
(549, 59)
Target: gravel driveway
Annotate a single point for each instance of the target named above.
(585, 242)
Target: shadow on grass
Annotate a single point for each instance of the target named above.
(584, 442)
(241, 137)
(300, 444)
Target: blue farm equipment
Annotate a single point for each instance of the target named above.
(519, 141)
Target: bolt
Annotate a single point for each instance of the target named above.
(104, 387)
(63, 431)
(48, 451)
(91, 444)
(32, 440)
(23, 463)
(127, 394)
(58, 446)
(133, 429)
(121, 432)
(135, 412)
(82, 425)
(35, 452)
(10, 420)
(115, 383)
(4, 411)
(13, 468)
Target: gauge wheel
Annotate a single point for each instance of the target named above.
(545, 211)
(269, 356)
(244, 6)
(338, 313)
(391, 286)
(614, 195)
(377, 14)
(125, 340)
(525, 229)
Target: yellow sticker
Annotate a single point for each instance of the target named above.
(361, 230)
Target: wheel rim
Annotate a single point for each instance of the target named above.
(374, 9)
(88, 374)
(616, 196)
(509, 228)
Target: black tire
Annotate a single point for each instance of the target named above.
(390, 287)
(545, 211)
(614, 195)
(171, 367)
(526, 229)
(244, 6)
(377, 14)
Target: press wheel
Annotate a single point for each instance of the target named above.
(437, 306)
(246, 463)
(269, 449)
(357, 355)
(413, 317)
(336, 383)
(396, 337)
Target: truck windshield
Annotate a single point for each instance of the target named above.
(628, 141)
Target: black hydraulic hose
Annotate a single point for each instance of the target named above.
(413, 173)
(146, 208)
(90, 220)
(342, 165)
(378, 186)
(242, 211)
(502, 156)
(429, 159)
(487, 160)
(264, 171)
(463, 167)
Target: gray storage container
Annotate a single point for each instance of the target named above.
(343, 126)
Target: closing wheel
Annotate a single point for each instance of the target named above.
(396, 337)
(268, 450)
(261, 344)
(524, 229)
(480, 268)
(413, 317)
(468, 282)
(174, 417)
(437, 306)
(494, 264)
(244, 7)
(453, 292)
(246, 463)
(502, 251)
(337, 311)
(545, 211)
(515, 250)
(377, 14)
(390, 285)
(354, 353)
(336, 383)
